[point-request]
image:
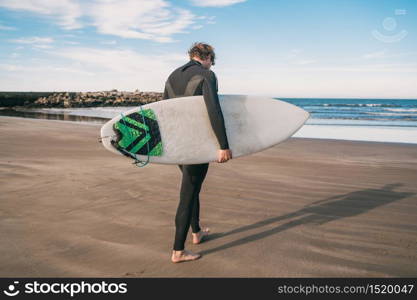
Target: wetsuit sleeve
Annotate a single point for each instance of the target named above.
(214, 110)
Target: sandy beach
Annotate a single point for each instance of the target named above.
(304, 208)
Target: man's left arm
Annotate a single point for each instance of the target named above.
(214, 110)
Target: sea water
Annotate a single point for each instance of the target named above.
(378, 120)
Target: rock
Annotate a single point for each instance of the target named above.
(102, 98)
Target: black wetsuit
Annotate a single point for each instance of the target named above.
(189, 80)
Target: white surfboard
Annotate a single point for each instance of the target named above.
(178, 131)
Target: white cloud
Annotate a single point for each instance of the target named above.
(112, 42)
(42, 46)
(120, 61)
(33, 40)
(211, 20)
(304, 62)
(215, 3)
(36, 42)
(42, 69)
(154, 20)
(10, 67)
(64, 12)
(294, 53)
(295, 58)
(39, 42)
(3, 27)
(91, 69)
(95, 69)
(71, 43)
(373, 68)
(384, 54)
(378, 54)
(344, 80)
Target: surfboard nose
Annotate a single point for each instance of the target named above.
(306, 114)
(299, 115)
(295, 109)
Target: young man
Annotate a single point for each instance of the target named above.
(195, 78)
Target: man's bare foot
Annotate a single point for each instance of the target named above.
(184, 255)
(200, 236)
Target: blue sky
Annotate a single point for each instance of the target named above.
(287, 48)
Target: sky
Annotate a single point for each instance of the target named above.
(280, 48)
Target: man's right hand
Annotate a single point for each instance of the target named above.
(224, 155)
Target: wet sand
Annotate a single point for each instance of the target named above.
(304, 208)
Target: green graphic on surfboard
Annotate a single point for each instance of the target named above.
(137, 133)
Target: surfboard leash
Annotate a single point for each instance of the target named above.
(101, 138)
(138, 162)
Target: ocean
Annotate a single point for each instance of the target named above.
(360, 112)
(377, 120)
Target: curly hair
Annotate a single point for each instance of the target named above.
(202, 51)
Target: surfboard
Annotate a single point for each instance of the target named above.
(178, 130)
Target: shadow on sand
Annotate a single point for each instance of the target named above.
(317, 213)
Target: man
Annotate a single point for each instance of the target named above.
(195, 78)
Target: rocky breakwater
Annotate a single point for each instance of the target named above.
(103, 98)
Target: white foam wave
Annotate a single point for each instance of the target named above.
(402, 109)
(357, 104)
(391, 114)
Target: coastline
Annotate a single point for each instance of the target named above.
(379, 134)
(306, 207)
